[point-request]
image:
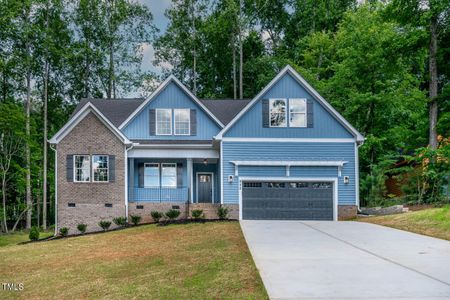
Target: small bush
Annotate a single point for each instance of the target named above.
(82, 227)
(172, 214)
(135, 219)
(64, 231)
(104, 224)
(222, 212)
(34, 233)
(156, 215)
(120, 221)
(197, 214)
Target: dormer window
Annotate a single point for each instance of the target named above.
(164, 122)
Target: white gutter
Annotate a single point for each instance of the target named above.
(56, 189)
(126, 179)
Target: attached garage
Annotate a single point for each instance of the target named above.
(288, 200)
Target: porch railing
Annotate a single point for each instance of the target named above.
(179, 194)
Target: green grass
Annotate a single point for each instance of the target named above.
(201, 261)
(433, 222)
(19, 237)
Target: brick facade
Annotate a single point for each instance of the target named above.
(90, 136)
(346, 212)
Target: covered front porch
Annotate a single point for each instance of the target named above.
(175, 180)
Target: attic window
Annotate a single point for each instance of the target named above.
(297, 112)
(163, 122)
(277, 111)
(182, 121)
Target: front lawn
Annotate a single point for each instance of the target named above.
(20, 236)
(433, 222)
(192, 261)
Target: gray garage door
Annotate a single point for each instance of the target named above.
(287, 201)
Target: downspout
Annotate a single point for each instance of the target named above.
(56, 188)
(357, 171)
(126, 179)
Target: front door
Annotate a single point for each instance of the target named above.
(204, 188)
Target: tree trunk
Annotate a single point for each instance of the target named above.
(44, 175)
(27, 149)
(5, 225)
(86, 70)
(241, 54)
(234, 71)
(194, 51)
(433, 90)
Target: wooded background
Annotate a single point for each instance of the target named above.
(384, 65)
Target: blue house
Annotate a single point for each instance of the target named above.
(285, 154)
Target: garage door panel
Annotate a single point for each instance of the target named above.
(287, 200)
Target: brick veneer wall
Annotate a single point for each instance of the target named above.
(90, 136)
(346, 212)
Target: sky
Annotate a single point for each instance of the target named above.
(157, 7)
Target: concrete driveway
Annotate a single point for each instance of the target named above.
(347, 260)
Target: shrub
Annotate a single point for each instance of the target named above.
(64, 231)
(135, 219)
(104, 224)
(197, 214)
(156, 215)
(82, 227)
(222, 212)
(120, 221)
(34, 233)
(172, 214)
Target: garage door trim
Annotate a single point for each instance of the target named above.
(333, 180)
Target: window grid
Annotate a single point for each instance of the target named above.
(163, 122)
(277, 113)
(297, 113)
(81, 168)
(168, 175)
(100, 168)
(151, 175)
(182, 121)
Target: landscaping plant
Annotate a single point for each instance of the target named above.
(172, 214)
(197, 214)
(104, 224)
(82, 228)
(135, 219)
(34, 233)
(222, 212)
(64, 231)
(120, 221)
(156, 215)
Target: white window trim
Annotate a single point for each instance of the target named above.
(175, 121)
(156, 121)
(305, 113)
(159, 176)
(285, 113)
(92, 168)
(75, 168)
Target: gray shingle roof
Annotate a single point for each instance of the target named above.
(116, 110)
(225, 109)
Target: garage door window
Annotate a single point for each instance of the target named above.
(321, 185)
(278, 185)
(298, 185)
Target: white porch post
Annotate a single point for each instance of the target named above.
(131, 180)
(190, 179)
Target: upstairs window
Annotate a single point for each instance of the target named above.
(182, 121)
(100, 165)
(169, 175)
(277, 112)
(151, 175)
(163, 121)
(82, 168)
(297, 112)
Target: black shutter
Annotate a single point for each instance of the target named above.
(141, 175)
(179, 174)
(69, 167)
(112, 168)
(309, 113)
(193, 122)
(152, 121)
(265, 113)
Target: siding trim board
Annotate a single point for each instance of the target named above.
(280, 140)
(333, 180)
(159, 90)
(289, 70)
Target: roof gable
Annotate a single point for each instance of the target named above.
(278, 88)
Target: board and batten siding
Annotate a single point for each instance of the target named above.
(251, 124)
(289, 151)
(172, 97)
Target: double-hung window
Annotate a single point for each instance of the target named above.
(169, 175)
(82, 168)
(182, 121)
(297, 112)
(100, 165)
(163, 121)
(151, 175)
(277, 111)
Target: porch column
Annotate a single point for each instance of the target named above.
(130, 180)
(190, 179)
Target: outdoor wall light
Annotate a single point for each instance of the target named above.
(205, 162)
(346, 179)
(230, 178)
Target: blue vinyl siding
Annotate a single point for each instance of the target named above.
(172, 96)
(289, 151)
(325, 125)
